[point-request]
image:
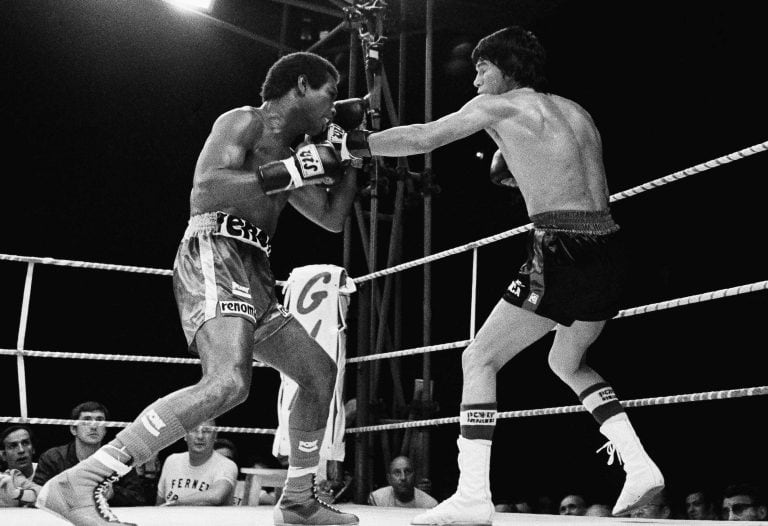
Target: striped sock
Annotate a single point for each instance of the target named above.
(601, 401)
(478, 421)
(156, 429)
(304, 459)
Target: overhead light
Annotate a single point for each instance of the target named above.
(197, 5)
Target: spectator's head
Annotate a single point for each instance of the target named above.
(17, 449)
(89, 434)
(504, 508)
(657, 508)
(700, 505)
(200, 440)
(225, 447)
(599, 510)
(546, 505)
(573, 505)
(522, 506)
(400, 477)
(744, 502)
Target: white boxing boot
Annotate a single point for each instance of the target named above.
(471, 505)
(644, 479)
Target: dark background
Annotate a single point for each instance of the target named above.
(106, 105)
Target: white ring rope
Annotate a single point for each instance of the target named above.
(641, 402)
(651, 307)
(725, 159)
(661, 181)
(107, 357)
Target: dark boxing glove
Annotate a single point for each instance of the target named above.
(311, 164)
(349, 113)
(351, 145)
(499, 172)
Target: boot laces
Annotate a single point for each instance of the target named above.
(316, 496)
(613, 453)
(102, 506)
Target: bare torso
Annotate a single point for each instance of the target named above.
(233, 186)
(554, 151)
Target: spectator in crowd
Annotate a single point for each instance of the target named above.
(227, 448)
(17, 452)
(401, 491)
(573, 505)
(657, 508)
(546, 505)
(744, 502)
(598, 510)
(149, 475)
(701, 506)
(88, 439)
(200, 476)
(504, 507)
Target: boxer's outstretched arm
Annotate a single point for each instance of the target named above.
(479, 113)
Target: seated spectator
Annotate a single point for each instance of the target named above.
(200, 476)
(545, 505)
(701, 506)
(149, 475)
(573, 505)
(657, 508)
(744, 502)
(87, 440)
(227, 448)
(401, 492)
(504, 508)
(17, 452)
(599, 510)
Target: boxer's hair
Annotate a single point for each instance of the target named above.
(282, 75)
(517, 53)
(88, 407)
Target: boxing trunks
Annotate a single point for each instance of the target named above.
(222, 269)
(575, 267)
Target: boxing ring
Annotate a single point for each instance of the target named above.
(170, 516)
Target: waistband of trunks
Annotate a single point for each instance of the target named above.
(576, 221)
(228, 225)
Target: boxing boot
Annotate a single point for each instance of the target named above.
(300, 504)
(471, 505)
(77, 494)
(643, 478)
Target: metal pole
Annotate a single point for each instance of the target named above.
(473, 300)
(20, 368)
(351, 90)
(427, 313)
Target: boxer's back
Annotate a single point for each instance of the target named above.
(553, 148)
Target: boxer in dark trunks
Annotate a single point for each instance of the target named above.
(551, 150)
(245, 175)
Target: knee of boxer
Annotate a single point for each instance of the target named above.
(228, 388)
(562, 365)
(475, 360)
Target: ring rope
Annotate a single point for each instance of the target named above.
(661, 181)
(107, 357)
(725, 159)
(651, 307)
(106, 423)
(641, 402)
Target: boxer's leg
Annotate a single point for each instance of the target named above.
(297, 355)
(507, 331)
(567, 358)
(224, 345)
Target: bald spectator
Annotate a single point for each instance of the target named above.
(200, 476)
(657, 508)
(744, 502)
(573, 505)
(401, 491)
(599, 510)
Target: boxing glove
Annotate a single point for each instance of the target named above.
(351, 145)
(349, 113)
(499, 172)
(310, 164)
